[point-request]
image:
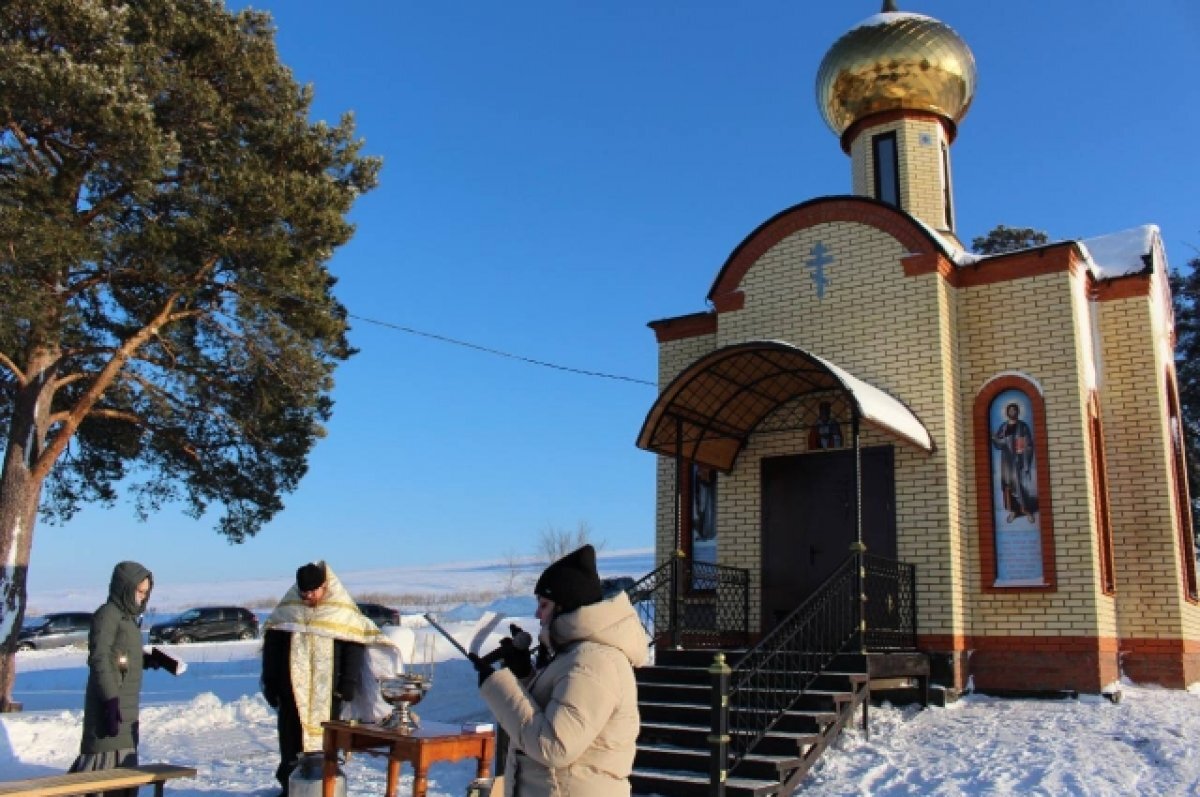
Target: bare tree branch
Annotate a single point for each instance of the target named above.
(35, 155)
(12, 368)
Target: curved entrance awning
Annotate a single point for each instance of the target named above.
(710, 410)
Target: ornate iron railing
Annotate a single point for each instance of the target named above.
(773, 674)
(708, 604)
(869, 592)
(890, 610)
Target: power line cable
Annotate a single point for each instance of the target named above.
(497, 352)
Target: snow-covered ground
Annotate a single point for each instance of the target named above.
(213, 718)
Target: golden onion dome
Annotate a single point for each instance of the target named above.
(895, 61)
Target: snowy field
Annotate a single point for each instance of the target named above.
(213, 718)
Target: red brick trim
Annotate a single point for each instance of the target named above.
(983, 485)
(1019, 265)
(1037, 663)
(1133, 286)
(1084, 664)
(728, 302)
(1150, 645)
(1173, 663)
(884, 117)
(930, 263)
(1046, 644)
(684, 326)
(824, 210)
(941, 642)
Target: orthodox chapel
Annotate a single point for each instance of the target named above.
(860, 385)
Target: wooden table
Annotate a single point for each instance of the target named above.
(433, 741)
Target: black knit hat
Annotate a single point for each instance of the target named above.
(572, 581)
(310, 576)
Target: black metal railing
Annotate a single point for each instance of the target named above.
(708, 604)
(866, 592)
(890, 610)
(773, 674)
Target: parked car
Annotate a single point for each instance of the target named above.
(611, 586)
(55, 631)
(207, 624)
(380, 614)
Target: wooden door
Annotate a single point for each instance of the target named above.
(808, 521)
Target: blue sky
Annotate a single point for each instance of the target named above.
(558, 174)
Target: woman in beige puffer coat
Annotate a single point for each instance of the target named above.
(573, 725)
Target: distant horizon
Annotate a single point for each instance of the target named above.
(440, 579)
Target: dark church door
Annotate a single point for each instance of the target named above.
(808, 521)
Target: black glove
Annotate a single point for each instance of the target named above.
(150, 663)
(515, 658)
(271, 698)
(112, 716)
(482, 667)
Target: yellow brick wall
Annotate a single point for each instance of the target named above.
(1033, 322)
(1151, 600)
(884, 328)
(935, 347)
(957, 451)
(673, 357)
(919, 148)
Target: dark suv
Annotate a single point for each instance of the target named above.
(56, 631)
(381, 615)
(207, 624)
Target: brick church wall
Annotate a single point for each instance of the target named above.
(1065, 635)
(1158, 623)
(935, 338)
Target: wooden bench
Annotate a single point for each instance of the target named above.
(98, 780)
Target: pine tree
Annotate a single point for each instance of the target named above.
(1185, 295)
(1008, 239)
(167, 321)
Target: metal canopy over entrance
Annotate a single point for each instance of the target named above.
(709, 411)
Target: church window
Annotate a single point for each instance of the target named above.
(1183, 512)
(1104, 536)
(947, 196)
(887, 168)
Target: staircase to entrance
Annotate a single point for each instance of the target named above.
(752, 721)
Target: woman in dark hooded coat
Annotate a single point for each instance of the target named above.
(115, 663)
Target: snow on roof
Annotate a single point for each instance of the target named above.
(959, 255)
(880, 407)
(885, 17)
(1117, 254)
(1120, 254)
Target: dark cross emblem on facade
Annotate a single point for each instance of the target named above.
(816, 264)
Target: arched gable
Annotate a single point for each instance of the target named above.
(916, 238)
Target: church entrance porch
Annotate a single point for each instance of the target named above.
(809, 521)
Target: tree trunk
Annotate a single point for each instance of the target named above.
(20, 492)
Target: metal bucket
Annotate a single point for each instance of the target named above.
(480, 787)
(308, 778)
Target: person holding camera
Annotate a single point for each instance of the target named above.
(573, 722)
